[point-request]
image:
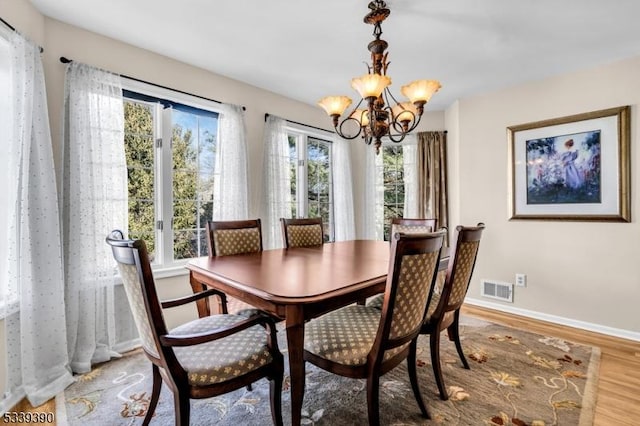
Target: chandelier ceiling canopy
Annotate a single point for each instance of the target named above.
(382, 114)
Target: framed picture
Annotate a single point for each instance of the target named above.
(572, 168)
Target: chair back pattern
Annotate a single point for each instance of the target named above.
(464, 262)
(132, 287)
(227, 238)
(302, 232)
(133, 264)
(458, 277)
(411, 293)
(411, 278)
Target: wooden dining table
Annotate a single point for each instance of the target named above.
(298, 284)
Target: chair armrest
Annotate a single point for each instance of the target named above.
(192, 298)
(219, 333)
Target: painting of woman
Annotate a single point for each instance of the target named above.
(572, 176)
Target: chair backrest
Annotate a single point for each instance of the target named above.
(226, 238)
(412, 275)
(461, 264)
(302, 232)
(135, 269)
(412, 226)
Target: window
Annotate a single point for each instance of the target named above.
(392, 170)
(170, 146)
(395, 187)
(311, 179)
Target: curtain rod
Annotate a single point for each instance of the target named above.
(300, 124)
(12, 28)
(67, 61)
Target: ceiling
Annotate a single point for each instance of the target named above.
(307, 49)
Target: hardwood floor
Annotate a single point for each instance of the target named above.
(618, 389)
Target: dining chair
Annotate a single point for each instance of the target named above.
(302, 232)
(226, 238)
(443, 307)
(203, 358)
(400, 224)
(363, 342)
(408, 226)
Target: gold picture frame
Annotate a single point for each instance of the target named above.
(572, 168)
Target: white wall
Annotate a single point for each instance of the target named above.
(579, 271)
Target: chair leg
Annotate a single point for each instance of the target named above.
(434, 343)
(413, 377)
(182, 408)
(454, 334)
(155, 394)
(275, 397)
(373, 399)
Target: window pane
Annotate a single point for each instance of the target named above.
(393, 185)
(193, 154)
(139, 153)
(319, 182)
(293, 173)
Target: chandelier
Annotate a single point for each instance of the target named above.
(377, 118)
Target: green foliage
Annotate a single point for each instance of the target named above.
(393, 181)
(139, 153)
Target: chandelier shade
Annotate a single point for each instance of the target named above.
(335, 105)
(404, 111)
(370, 85)
(420, 90)
(381, 115)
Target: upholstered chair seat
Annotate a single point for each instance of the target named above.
(346, 336)
(223, 359)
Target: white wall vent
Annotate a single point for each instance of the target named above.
(497, 290)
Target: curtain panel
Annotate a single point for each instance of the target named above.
(231, 191)
(344, 217)
(94, 203)
(432, 177)
(276, 191)
(31, 284)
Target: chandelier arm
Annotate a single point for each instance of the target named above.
(415, 122)
(392, 97)
(400, 137)
(345, 136)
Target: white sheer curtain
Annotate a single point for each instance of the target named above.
(231, 198)
(276, 193)
(344, 219)
(94, 203)
(31, 283)
(410, 171)
(373, 194)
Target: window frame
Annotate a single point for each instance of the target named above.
(164, 264)
(302, 134)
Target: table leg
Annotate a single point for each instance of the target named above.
(295, 344)
(202, 304)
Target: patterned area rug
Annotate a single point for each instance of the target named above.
(516, 378)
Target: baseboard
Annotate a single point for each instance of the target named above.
(583, 325)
